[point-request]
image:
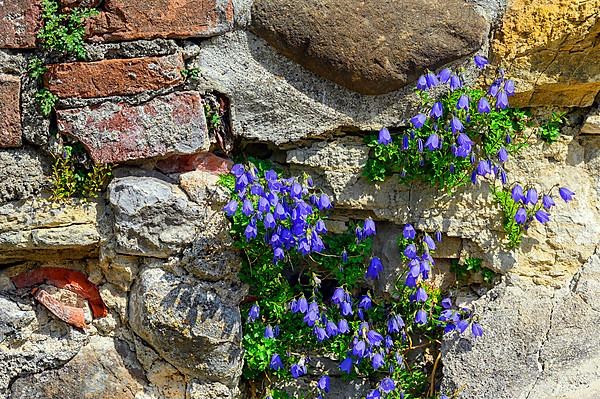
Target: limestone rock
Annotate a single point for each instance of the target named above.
(23, 173)
(591, 125)
(370, 47)
(553, 51)
(211, 256)
(152, 217)
(274, 100)
(31, 340)
(538, 342)
(194, 326)
(103, 368)
(39, 230)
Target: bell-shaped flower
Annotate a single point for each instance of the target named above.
(323, 383)
(418, 120)
(377, 361)
(521, 216)
(542, 216)
(254, 313)
(566, 194)
(463, 102)
(436, 110)
(483, 106)
(456, 125)
(547, 201)
(480, 61)
(384, 137)
(276, 363)
(421, 317)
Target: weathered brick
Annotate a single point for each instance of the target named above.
(113, 133)
(114, 77)
(10, 113)
(150, 19)
(19, 22)
(204, 161)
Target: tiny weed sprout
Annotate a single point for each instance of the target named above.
(73, 175)
(464, 135)
(312, 291)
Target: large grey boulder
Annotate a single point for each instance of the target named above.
(539, 343)
(152, 217)
(372, 47)
(194, 326)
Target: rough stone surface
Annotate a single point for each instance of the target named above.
(194, 326)
(114, 77)
(276, 101)
(547, 255)
(370, 47)
(19, 22)
(129, 20)
(23, 173)
(151, 217)
(104, 368)
(544, 343)
(166, 125)
(10, 123)
(32, 230)
(591, 125)
(552, 48)
(211, 256)
(31, 339)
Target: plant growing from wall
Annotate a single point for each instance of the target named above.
(74, 175)
(465, 134)
(312, 292)
(550, 130)
(64, 32)
(470, 267)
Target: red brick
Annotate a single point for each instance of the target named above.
(114, 77)
(205, 161)
(19, 23)
(10, 113)
(164, 126)
(150, 19)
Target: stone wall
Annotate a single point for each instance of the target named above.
(301, 83)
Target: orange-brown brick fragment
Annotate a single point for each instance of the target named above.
(19, 23)
(69, 314)
(151, 19)
(10, 113)
(71, 280)
(114, 77)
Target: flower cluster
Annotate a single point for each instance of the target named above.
(451, 134)
(463, 134)
(285, 209)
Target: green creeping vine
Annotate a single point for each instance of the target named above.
(466, 134)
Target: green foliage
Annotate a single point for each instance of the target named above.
(191, 73)
(441, 168)
(514, 231)
(470, 267)
(64, 32)
(73, 178)
(36, 68)
(213, 114)
(550, 130)
(46, 100)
